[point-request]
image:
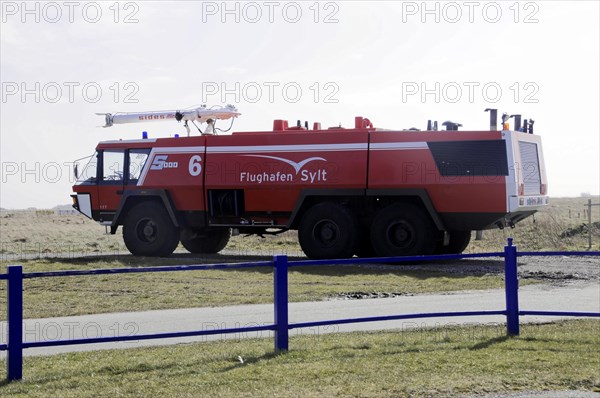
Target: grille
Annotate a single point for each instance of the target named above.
(470, 158)
(530, 165)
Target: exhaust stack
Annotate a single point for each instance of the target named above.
(493, 118)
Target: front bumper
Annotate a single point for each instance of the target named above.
(527, 203)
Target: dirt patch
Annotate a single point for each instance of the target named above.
(560, 269)
(370, 295)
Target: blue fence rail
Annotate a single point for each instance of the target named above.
(281, 326)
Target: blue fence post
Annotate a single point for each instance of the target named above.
(511, 282)
(15, 322)
(280, 279)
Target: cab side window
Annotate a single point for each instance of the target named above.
(112, 166)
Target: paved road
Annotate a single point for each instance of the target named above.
(540, 394)
(579, 296)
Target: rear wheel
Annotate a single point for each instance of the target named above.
(402, 230)
(149, 231)
(328, 230)
(210, 241)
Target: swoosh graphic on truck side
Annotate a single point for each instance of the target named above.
(296, 165)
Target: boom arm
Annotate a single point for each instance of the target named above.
(200, 114)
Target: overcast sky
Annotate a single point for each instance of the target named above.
(398, 63)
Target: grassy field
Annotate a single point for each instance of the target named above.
(420, 363)
(43, 233)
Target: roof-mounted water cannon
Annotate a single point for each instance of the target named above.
(201, 114)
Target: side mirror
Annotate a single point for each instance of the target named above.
(76, 171)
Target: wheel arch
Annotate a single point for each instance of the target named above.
(132, 198)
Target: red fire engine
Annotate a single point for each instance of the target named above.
(359, 191)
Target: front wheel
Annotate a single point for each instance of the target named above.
(211, 241)
(402, 229)
(327, 231)
(149, 231)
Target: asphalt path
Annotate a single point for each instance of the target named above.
(575, 296)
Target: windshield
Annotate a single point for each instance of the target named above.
(86, 169)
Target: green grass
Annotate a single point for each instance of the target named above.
(64, 296)
(438, 362)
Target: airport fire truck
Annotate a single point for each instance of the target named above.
(361, 190)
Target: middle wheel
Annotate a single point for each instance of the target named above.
(402, 229)
(328, 230)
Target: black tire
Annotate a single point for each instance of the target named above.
(402, 230)
(209, 241)
(459, 240)
(328, 230)
(149, 231)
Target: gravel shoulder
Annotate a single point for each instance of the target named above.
(550, 269)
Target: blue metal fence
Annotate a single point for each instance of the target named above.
(281, 326)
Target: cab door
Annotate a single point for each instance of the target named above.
(110, 182)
